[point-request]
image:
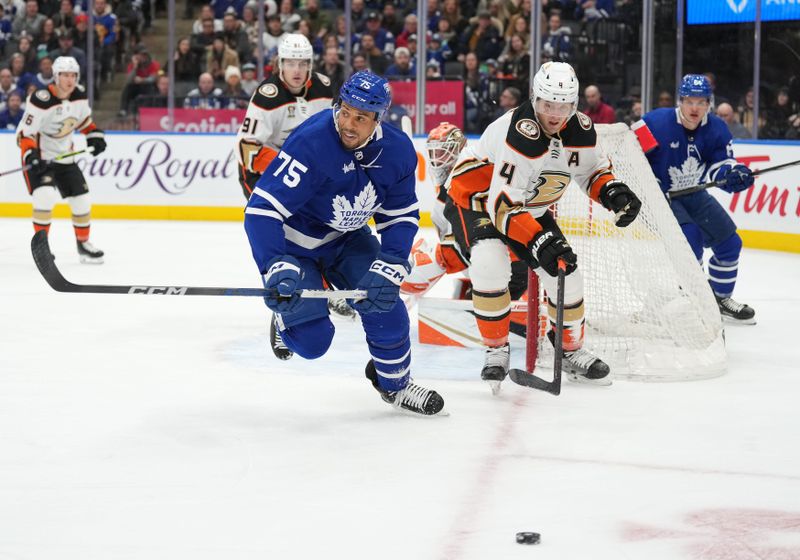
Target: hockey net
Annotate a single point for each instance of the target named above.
(650, 313)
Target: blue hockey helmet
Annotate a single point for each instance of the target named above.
(695, 85)
(368, 92)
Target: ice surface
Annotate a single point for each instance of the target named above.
(162, 428)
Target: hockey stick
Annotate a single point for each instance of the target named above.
(528, 379)
(57, 158)
(720, 182)
(40, 248)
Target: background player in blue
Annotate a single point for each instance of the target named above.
(687, 146)
(307, 219)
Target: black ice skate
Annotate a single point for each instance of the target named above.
(89, 254)
(280, 349)
(581, 366)
(495, 367)
(736, 312)
(340, 308)
(413, 398)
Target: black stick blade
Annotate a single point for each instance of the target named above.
(522, 377)
(40, 248)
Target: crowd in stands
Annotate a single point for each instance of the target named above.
(484, 43)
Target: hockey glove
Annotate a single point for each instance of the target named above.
(620, 199)
(547, 247)
(737, 179)
(283, 278)
(33, 157)
(382, 284)
(96, 140)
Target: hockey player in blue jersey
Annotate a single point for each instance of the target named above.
(307, 220)
(687, 146)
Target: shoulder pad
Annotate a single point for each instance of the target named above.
(320, 87)
(270, 95)
(326, 81)
(43, 99)
(524, 133)
(78, 94)
(579, 132)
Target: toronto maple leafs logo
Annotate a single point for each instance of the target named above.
(687, 176)
(350, 217)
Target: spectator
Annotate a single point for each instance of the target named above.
(665, 99)
(391, 22)
(746, 112)
(434, 15)
(318, 20)
(515, 62)
(21, 78)
(591, 10)
(80, 35)
(105, 30)
(205, 95)
(358, 16)
(499, 16)
(395, 114)
(48, 39)
(44, 77)
(273, 35)
(375, 59)
(412, 46)
(451, 11)
(218, 57)
(409, 28)
(725, 112)
(596, 109)
(715, 97)
(332, 67)
(220, 7)
(249, 80)
(203, 40)
(519, 26)
(403, 68)
(289, 19)
(64, 20)
(438, 51)
(7, 86)
(447, 34)
(187, 65)
(5, 30)
(159, 99)
(478, 108)
(482, 38)
(249, 24)
(142, 73)
(341, 39)
(433, 70)
(509, 99)
(632, 114)
(29, 22)
(524, 12)
(359, 62)
(12, 113)
(233, 95)
(25, 48)
(235, 37)
(384, 40)
(777, 116)
(206, 13)
(556, 43)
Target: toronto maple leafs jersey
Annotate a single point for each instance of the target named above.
(316, 190)
(682, 158)
(48, 122)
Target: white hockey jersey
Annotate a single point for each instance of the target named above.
(48, 122)
(516, 171)
(273, 113)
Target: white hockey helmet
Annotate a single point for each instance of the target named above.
(556, 82)
(66, 64)
(297, 47)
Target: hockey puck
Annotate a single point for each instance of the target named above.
(528, 538)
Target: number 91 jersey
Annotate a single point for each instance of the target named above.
(516, 171)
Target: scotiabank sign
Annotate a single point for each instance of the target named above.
(191, 120)
(444, 101)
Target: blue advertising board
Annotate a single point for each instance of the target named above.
(699, 12)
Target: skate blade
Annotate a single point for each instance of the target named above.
(732, 321)
(494, 385)
(581, 380)
(405, 412)
(91, 260)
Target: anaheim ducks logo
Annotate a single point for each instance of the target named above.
(584, 121)
(528, 128)
(268, 90)
(65, 127)
(549, 187)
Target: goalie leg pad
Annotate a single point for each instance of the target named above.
(449, 257)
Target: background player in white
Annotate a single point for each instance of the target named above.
(499, 195)
(686, 146)
(51, 115)
(278, 106)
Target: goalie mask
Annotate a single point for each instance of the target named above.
(444, 144)
(555, 95)
(295, 52)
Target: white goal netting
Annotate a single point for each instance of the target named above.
(650, 313)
